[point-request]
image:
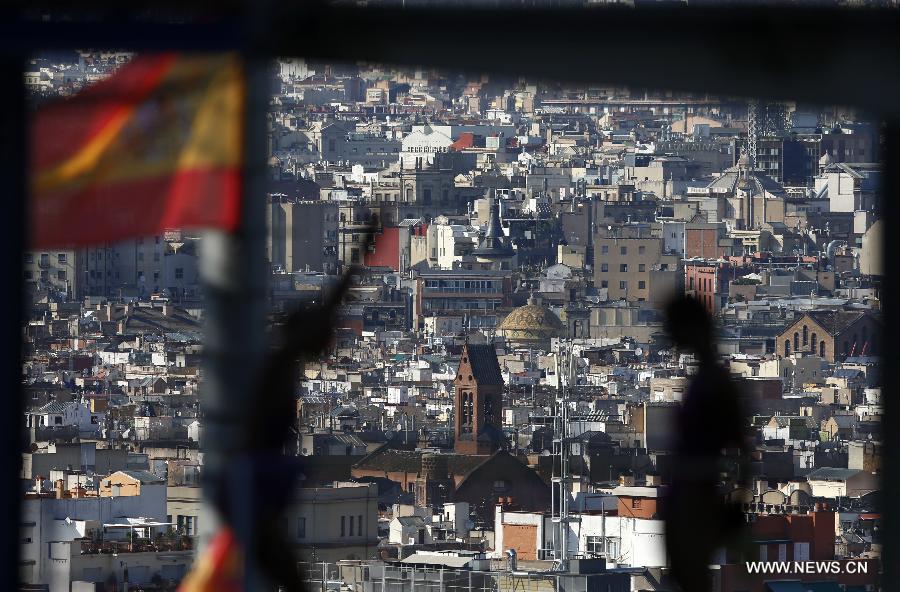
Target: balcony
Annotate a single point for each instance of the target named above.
(137, 545)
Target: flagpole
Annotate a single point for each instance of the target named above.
(232, 266)
(13, 147)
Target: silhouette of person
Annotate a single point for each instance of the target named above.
(711, 419)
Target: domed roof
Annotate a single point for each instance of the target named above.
(738, 177)
(531, 322)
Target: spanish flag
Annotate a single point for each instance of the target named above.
(219, 569)
(156, 146)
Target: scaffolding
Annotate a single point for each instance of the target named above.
(764, 120)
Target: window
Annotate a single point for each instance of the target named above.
(45, 259)
(623, 250)
(359, 523)
(604, 284)
(623, 268)
(28, 275)
(635, 502)
(351, 525)
(343, 525)
(179, 273)
(623, 285)
(61, 275)
(156, 256)
(61, 258)
(642, 285)
(604, 267)
(604, 249)
(642, 249)
(805, 335)
(29, 257)
(643, 267)
(140, 256)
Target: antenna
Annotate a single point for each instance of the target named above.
(560, 490)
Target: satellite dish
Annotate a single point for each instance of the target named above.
(638, 352)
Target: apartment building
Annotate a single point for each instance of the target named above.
(633, 265)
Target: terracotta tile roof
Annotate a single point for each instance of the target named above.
(465, 140)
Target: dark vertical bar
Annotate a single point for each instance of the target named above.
(890, 473)
(12, 163)
(234, 274)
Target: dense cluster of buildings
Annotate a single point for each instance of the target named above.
(506, 316)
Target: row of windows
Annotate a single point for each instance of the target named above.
(623, 267)
(477, 286)
(705, 283)
(459, 304)
(355, 526)
(623, 285)
(179, 274)
(604, 250)
(425, 149)
(61, 258)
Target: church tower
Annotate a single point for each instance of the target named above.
(478, 402)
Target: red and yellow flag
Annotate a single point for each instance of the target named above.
(219, 569)
(157, 145)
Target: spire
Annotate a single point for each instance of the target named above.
(494, 242)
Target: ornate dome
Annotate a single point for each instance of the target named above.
(531, 323)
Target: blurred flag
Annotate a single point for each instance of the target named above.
(218, 569)
(157, 145)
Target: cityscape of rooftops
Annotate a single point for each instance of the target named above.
(502, 405)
